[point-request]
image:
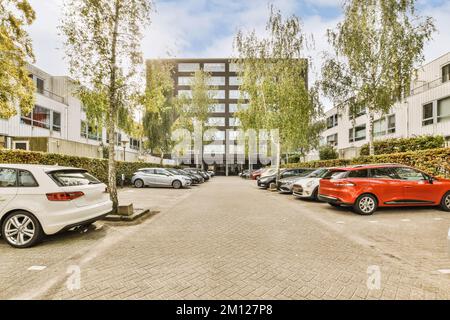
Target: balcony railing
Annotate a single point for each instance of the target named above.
(427, 86)
(51, 95)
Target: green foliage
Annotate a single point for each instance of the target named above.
(98, 167)
(433, 161)
(16, 88)
(378, 47)
(328, 152)
(395, 145)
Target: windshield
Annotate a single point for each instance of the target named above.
(317, 173)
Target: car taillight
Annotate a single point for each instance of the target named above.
(64, 196)
(344, 184)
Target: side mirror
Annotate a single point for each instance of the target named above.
(430, 180)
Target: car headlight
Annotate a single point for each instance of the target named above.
(309, 184)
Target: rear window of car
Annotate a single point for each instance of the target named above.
(363, 173)
(333, 174)
(68, 178)
(26, 179)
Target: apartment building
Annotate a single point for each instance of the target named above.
(425, 111)
(58, 124)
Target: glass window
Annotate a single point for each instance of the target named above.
(185, 93)
(331, 174)
(234, 121)
(427, 114)
(391, 124)
(134, 144)
(405, 173)
(218, 107)
(443, 109)
(364, 173)
(236, 149)
(41, 117)
(235, 67)
(357, 133)
(216, 81)
(383, 173)
(161, 172)
(83, 131)
(237, 94)
(188, 67)
(216, 121)
(214, 67)
(233, 134)
(235, 81)
(8, 178)
(332, 139)
(379, 127)
(56, 121)
(217, 94)
(332, 121)
(66, 178)
(446, 73)
(185, 81)
(26, 179)
(356, 112)
(234, 107)
(40, 85)
(214, 149)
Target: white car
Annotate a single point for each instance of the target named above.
(159, 177)
(38, 200)
(308, 186)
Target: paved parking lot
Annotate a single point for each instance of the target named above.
(228, 239)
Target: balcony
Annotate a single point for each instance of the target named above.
(427, 86)
(51, 95)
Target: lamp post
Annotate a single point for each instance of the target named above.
(124, 145)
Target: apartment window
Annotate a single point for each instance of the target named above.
(217, 94)
(233, 135)
(235, 81)
(185, 93)
(216, 81)
(38, 82)
(332, 140)
(216, 121)
(332, 121)
(217, 135)
(90, 132)
(214, 67)
(379, 127)
(134, 144)
(235, 67)
(56, 121)
(234, 122)
(357, 133)
(188, 67)
(236, 149)
(427, 114)
(446, 73)
(356, 112)
(214, 149)
(391, 123)
(218, 108)
(185, 81)
(237, 94)
(443, 109)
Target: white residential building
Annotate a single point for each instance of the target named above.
(426, 111)
(58, 124)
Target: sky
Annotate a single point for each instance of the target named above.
(206, 28)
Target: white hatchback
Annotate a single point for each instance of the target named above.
(38, 200)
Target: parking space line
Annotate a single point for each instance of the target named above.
(373, 221)
(437, 219)
(37, 268)
(406, 220)
(340, 222)
(444, 271)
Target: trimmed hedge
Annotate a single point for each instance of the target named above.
(433, 161)
(97, 167)
(396, 145)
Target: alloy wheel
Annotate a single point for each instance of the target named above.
(366, 204)
(19, 229)
(447, 201)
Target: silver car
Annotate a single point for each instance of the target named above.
(159, 177)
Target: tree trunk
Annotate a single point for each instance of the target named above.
(162, 158)
(370, 132)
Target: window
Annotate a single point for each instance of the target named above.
(331, 174)
(234, 107)
(56, 121)
(233, 135)
(188, 67)
(364, 173)
(357, 133)
(427, 114)
(216, 121)
(90, 131)
(405, 173)
(446, 73)
(217, 135)
(214, 149)
(26, 179)
(38, 82)
(332, 121)
(235, 81)
(134, 144)
(234, 67)
(237, 94)
(383, 173)
(185, 93)
(67, 178)
(332, 140)
(443, 109)
(218, 108)
(185, 81)
(391, 124)
(217, 94)
(356, 112)
(216, 81)
(379, 127)
(161, 172)
(8, 178)
(214, 67)
(234, 122)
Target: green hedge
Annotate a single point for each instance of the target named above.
(97, 167)
(433, 161)
(396, 145)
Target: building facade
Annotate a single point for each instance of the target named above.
(58, 124)
(425, 111)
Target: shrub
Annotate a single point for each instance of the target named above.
(396, 145)
(328, 152)
(97, 167)
(433, 161)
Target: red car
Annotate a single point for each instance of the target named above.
(368, 187)
(255, 174)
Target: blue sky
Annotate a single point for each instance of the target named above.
(206, 28)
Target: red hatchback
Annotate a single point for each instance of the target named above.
(368, 187)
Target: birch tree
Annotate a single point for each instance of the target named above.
(102, 46)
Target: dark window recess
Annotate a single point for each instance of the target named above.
(332, 121)
(427, 114)
(357, 133)
(40, 85)
(364, 173)
(391, 124)
(135, 144)
(446, 73)
(56, 121)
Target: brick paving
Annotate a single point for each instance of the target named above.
(226, 239)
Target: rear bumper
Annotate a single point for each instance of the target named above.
(334, 200)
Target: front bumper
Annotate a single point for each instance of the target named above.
(284, 187)
(300, 192)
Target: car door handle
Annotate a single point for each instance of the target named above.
(408, 187)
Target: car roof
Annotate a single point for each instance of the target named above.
(36, 167)
(371, 166)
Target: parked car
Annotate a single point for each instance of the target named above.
(255, 174)
(211, 173)
(194, 179)
(38, 200)
(265, 180)
(245, 174)
(308, 187)
(285, 185)
(197, 176)
(159, 177)
(367, 187)
(198, 171)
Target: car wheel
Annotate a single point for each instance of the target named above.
(176, 184)
(314, 195)
(445, 202)
(366, 204)
(21, 230)
(139, 183)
